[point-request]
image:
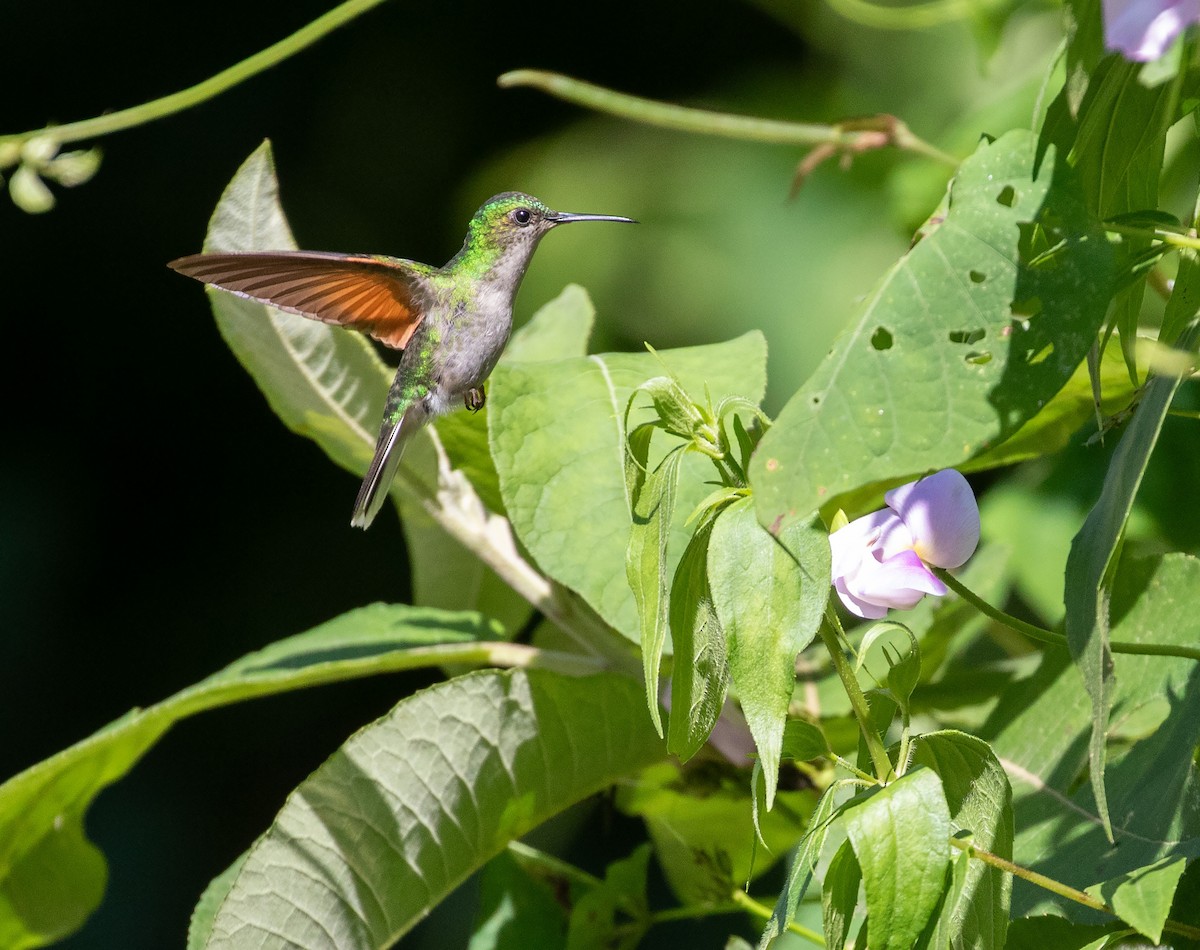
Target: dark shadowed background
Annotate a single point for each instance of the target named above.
(157, 521)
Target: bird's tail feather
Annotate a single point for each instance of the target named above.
(373, 493)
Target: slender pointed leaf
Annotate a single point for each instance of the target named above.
(1090, 563)
(700, 672)
(646, 566)
(839, 895)
(800, 873)
(769, 606)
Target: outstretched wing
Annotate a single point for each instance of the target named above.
(381, 296)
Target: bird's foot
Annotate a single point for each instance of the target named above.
(474, 399)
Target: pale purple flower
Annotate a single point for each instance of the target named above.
(1142, 30)
(881, 560)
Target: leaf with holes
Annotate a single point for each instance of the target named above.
(964, 340)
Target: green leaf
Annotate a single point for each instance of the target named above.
(1142, 898)
(903, 668)
(206, 908)
(700, 672)
(559, 329)
(1184, 302)
(613, 915)
(839, 895)
(516, 912)
(1118, 151)
(769, 604)
(52, 877)
(1038, 933)
(963, 342)
(672, 405)
(558, 440)
(390, 824)
(980, 802)
(1041, 728)
(901, 834)
(699, 819)
(324, 382)
(803, 741)
(646, 564)
(1093, 553)
(800, 873)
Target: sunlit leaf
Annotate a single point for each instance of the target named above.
(964, 341)
(391, 823)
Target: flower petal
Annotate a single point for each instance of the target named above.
(898, 582)
(1142, 30)
(857, 540)
(941, 513)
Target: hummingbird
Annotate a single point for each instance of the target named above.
(452, 322)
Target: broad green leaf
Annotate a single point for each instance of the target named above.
(516, 911)
(699, 819)
(600, 919)
(1038, 933)
(980, 802)
(769, 605)
(559, 329)
(967, 337)
(901, 834)
(52, 877)
(1071, 408)
(558, 440)
(646, 563)
(416, 801)
(800, 872)
(839, 895)
(1041, 730)
(1092, 557)
(324, 382)
(700, 671)
(1142, 898)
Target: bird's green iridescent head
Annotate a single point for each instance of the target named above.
(508, 226)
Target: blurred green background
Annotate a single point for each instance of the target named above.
(157, 521)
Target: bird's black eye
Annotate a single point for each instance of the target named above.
(522, 216)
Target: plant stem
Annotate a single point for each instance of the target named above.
(1174, 238)
(1057, 887)
(1051, 636)
(201, 92)
(917, 16)
(848, 137)
(748, 903)
(858, 701)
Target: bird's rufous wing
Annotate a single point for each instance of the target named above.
(379, 296)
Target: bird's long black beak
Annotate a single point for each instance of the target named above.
(565, 217)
